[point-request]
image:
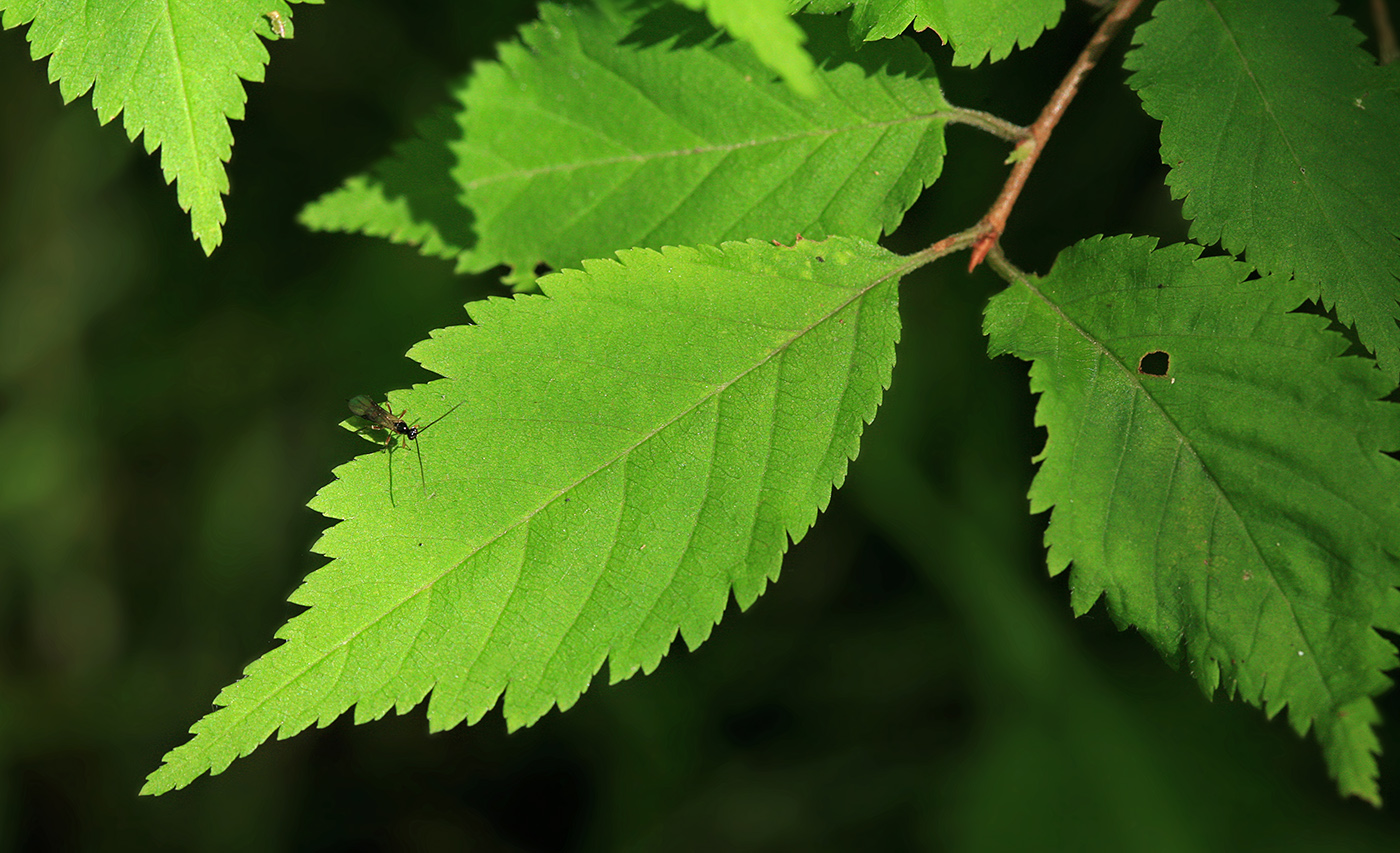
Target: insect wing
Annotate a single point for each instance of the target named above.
(371, 411)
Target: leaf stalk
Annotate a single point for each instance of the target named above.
(995, 125)
(947, 246)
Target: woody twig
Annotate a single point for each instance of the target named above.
(990, 229)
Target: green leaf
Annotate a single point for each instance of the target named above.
(627, 449)
(172, 69)
(583, 140)
(1283, 137)
(977, 29)
(602, 132)
(1237, 507)
(765, 27)
(408, 197)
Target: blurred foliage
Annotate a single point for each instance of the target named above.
(167, 416)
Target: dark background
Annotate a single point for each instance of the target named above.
(913, 682)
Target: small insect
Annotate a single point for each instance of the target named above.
(400, 432)
(279, 26)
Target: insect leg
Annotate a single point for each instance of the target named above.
(389, 454)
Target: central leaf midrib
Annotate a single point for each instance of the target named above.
(696, 150)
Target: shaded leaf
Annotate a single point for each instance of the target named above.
(408, 197)
(599, 133)
(172, 69)
(605, 132)
(585, 139)
(625, 451)
(1283, 137)
(1229, 496)
(977, 29)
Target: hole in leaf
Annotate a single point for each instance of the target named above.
(1155, 363)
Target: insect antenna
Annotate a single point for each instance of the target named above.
(438, 418)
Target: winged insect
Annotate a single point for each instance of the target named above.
(400, 432)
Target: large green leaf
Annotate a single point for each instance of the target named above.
(600, 131)
(1283, 137)
(624, 452)
(977, 29)
(1238, 506)
(171, 68)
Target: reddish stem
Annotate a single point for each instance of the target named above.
(994, 223)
